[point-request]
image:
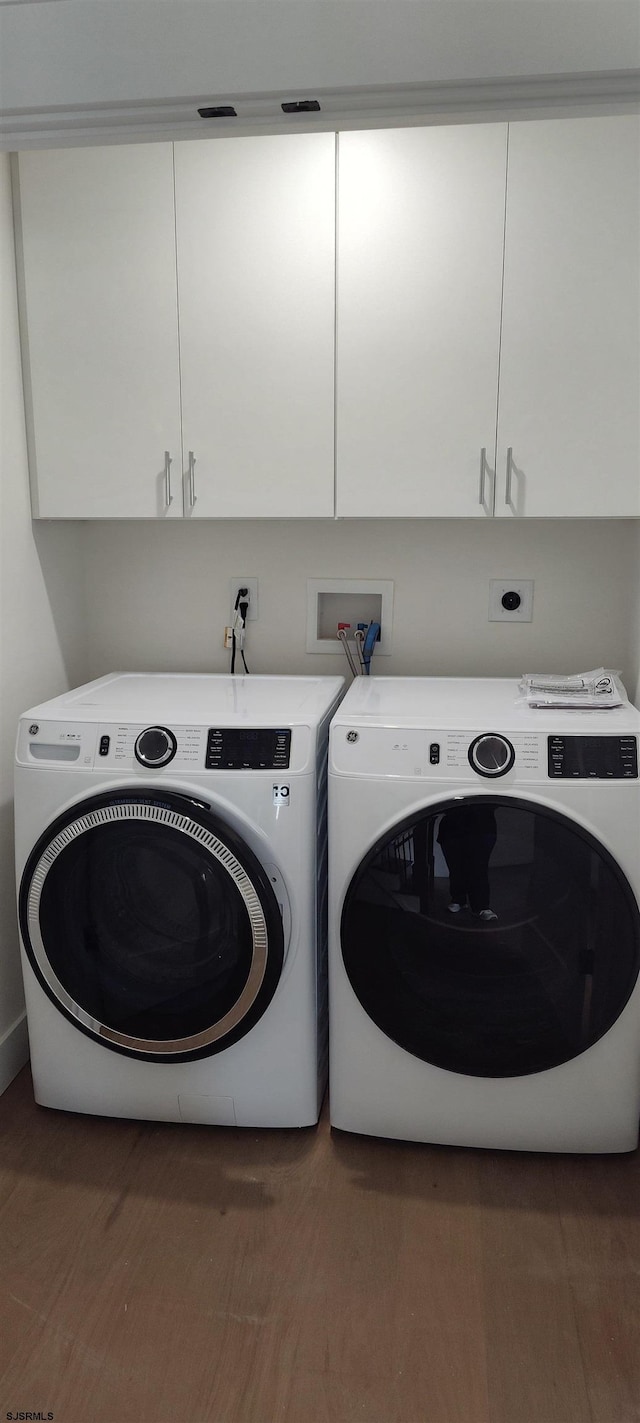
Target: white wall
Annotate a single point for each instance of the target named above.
(41, 631)
(158, 595)
(634, 613)
(73, 52)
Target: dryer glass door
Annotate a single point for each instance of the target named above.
(491, 937)
(152, 926)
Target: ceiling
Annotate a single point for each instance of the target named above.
(87, 71)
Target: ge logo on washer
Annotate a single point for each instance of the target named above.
(352, 735)
(281, 795)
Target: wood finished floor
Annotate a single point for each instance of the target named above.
(159, 1273)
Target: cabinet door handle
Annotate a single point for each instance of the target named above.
(168, 496)
(192, 480)
(507, 488)
(484, 468)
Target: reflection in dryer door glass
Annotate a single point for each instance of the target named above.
(491, 937)
(467, 835)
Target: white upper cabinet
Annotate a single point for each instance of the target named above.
(422, 234)
(256, 282)
(178, 309)
(254, 305)
(569, 409)
(100, 331)
(420, 247)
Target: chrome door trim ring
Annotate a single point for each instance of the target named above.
(135, 810)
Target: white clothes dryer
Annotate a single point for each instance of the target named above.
(171, 862)
(484, 928)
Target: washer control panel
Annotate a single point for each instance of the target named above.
(602, 758)
(248, 749)
(156, 747)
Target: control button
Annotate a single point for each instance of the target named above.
(105, 742)
(155, 747)
(434, 753)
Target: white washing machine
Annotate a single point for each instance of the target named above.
(484, 929)
(171, 860)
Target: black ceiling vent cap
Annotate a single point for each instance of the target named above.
(218, 111)
(301, 106)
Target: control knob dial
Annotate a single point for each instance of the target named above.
(155, 747)
(491, 754)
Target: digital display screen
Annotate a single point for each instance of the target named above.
(593, 757)
(248, 748)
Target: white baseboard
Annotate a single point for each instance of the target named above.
(14, 1051)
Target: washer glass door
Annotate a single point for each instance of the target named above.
(151, 925)
(491, 937)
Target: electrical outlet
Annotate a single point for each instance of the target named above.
(510, 600)
(252, 584)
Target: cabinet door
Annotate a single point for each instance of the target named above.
(256, 278)
(100, 331)
(569, 407)
(420, 241)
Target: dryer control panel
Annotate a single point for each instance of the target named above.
(517, 757)
(603, 758)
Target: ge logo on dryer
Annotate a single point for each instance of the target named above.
(353, 736)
